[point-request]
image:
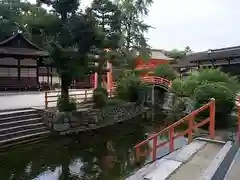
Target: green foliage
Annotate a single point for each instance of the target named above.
(100, 96)
(225, 100)
(133, 30)
(65, 105)
(107, 18)
(114, 102)
(186, 87)
(209, 83)
(209, 75)
(165, 71)
(176, 54)
(128, 87)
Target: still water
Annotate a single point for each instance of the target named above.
(105, 154)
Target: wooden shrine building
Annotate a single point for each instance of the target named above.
(20, 64)
(157, 58)
(227, 59)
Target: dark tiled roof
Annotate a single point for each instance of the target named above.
(20, 45)
(22, 51)
(215, 54)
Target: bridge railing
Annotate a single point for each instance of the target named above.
(192, 125)
(157, 80)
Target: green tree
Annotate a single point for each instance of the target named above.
(71, 42)
(107, 16)
(176, 54)
(165, 71)
(32, 20)
(133, 29)
(187, 50)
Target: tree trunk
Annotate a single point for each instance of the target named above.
(65, 82)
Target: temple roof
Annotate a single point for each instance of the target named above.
(159, 54)
(18, 45)
(214, 54)
(219, 56)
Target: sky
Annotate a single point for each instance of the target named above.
(200, 24)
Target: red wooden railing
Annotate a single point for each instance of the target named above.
(173, 135)
(157, 80)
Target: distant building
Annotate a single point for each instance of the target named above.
(157, 58)
(228, 59)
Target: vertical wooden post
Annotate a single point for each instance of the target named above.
(95, 80)
(154, 151)
(153, 94)
(238, 123)
(190, 128)
(46, 100)
(137, 153)
(85, 95)
(109, 76)
(212, 119)
(171, 139)
(110, 93)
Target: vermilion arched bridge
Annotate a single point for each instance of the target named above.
(156, 80)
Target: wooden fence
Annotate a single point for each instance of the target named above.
(80, 95)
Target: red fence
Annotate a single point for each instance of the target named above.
(172, 134)
(157, 80)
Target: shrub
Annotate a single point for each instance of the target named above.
(65, 105)
(210, 75)
(224, 98)
(115, 102)
(56, 85)
(100, 96)
(165, 71)
(187, 86)
(128, 87)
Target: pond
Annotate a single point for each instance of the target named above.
(106, 154)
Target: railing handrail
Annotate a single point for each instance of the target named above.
(154, 79)
(192, 126)
(185, 118)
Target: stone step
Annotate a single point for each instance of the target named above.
(19, 117)
(19, 123)
(198, 164)
(16, 144)
(22, 133)
(20, 128)
(19, 139)
(7, 114)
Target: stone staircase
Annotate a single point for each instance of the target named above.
(203, 159)
(21, 126)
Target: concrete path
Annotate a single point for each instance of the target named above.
(198, 164)
(162, 168)
(24, 100)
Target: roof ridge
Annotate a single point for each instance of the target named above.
(26, 39)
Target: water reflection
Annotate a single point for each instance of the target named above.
(103, 155)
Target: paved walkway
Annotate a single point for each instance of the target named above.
(20, 100)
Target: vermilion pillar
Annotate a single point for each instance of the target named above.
(109, 76)
(95, 80)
